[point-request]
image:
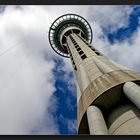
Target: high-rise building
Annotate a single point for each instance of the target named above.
(108, 94)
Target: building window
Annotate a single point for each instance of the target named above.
(97, 53)
(75, 67)
(93, 49)
(84, 40)
(81, 52)
(89, 45)
(76, 46)
(78, 49)
(74, 43)
(83, 56)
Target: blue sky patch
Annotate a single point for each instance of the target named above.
(126, 32)
(67, 105)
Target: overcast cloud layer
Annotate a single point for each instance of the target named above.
(27, 82)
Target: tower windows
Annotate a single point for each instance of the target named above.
(76, 46)
(83, 56)
(79, 50)
(71, 57)
(68, 32)
(97, 53)
(83, 39)
(76, 31)
(64, 40)
(75, 43)
(93, 49)
(89, 45)
(74, 66)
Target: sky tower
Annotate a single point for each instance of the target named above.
(108, 94)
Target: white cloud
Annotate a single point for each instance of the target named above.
(27, 81)
(110, 17)
(125, 52)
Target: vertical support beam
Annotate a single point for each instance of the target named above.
(102, 66)
(132, 91)
(78, 92)
(83, 78)
(96, 122)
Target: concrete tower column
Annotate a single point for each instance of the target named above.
(132, 91)
(96, 122)
(78, 93)
(102, 66)
(84, 78)
(99, 80)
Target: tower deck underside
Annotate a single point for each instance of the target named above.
(65, 25)
(100, 83)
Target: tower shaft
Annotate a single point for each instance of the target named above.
(108, 94)
(100, 84)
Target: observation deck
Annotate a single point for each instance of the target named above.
(63, 26)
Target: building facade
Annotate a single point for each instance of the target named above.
(108, 94)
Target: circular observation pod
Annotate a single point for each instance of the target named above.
(63, 26)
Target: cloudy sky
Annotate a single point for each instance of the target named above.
(37, 86)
